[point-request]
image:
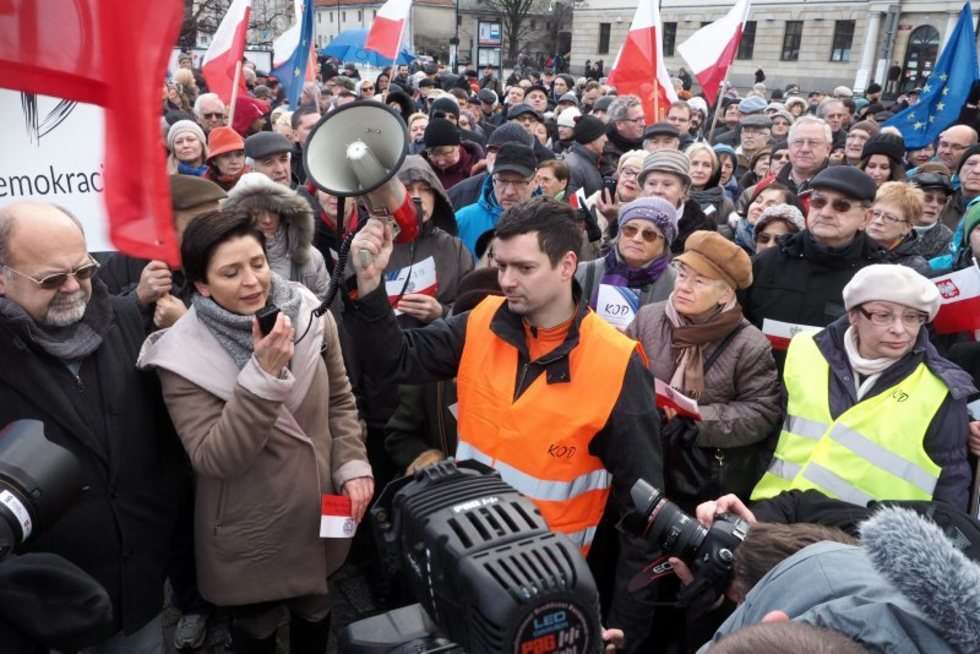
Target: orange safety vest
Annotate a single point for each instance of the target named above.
(539, 442)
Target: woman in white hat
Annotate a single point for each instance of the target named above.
(188, 149)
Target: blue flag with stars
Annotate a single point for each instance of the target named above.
(291, 54)
(946, 89)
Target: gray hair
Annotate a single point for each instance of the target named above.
(620, 107)
(807, 119)
(206, 97)
(824, 106)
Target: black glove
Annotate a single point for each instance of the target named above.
(592, 229)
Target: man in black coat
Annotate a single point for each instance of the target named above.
(69, 351)
(801, 281)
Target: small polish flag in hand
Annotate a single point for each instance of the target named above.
(336, 519)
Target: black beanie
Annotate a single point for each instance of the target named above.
(890, 145)
(588, 128)
(440, 132)
(444, 105)
(972, 150)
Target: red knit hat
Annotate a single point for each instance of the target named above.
(222, 140)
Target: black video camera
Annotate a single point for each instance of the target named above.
(709, 552)
(491, 578)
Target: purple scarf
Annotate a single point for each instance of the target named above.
(618, 273)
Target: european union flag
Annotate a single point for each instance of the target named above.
(291, 54)
(946, 89)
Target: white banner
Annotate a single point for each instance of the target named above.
(52, 152)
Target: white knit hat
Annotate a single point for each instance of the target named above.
(567, 117)
(184, 126)
(892, 282)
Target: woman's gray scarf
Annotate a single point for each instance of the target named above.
(69, 343)
(234, 330)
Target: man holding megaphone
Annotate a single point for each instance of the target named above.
(550, 395)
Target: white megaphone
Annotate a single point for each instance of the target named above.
(357, 150)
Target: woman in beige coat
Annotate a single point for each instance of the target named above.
(269, 424)
(699, 343)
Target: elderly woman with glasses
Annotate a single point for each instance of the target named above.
(637, 266)
(895, 211)
(701, 345)
(873, 411)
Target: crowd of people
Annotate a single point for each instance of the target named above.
(772, 265)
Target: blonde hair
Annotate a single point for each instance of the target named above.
(418, 115)
(639, 155)
(695, 148)
(907, 198)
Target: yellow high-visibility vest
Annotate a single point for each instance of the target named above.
(872, 451)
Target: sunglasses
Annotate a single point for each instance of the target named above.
(648, 235)
(57, 280)
(838, 205)
(214, 116)
(765, 239)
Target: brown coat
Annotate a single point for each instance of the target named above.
(742, 400)
(260, 466)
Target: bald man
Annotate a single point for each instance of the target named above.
(67, 358)
(953, 142)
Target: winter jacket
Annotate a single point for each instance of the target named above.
(479, 217)
(262, 459)
(615, 147)
(714, 203)
(932, 242)
(422, 423)
(437, 239)
(467, 191)
(900, 591)
(583, 170)
(954, 210)
(945, 439)
(904, 254)
(291, 253)
(132, 471)
(469, 154)
(740, 409)
(590, 273)
(692, 220)
(802, 282)
(121, 275)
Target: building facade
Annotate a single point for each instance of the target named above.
(817, 44)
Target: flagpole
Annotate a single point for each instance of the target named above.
(234, 92)
(714, 118)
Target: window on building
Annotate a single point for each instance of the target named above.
(331, 16)
(343, 16)
(791, 40)
(360, 15)
(843, 39)
(706, 22)
(747, 45)
(374, 14)
(319, 18)
(604, 29)
(670, 38)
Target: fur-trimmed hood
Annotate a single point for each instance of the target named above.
(256, 192)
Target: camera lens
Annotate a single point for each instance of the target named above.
(675, 532)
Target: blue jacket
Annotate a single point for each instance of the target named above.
(479, 217)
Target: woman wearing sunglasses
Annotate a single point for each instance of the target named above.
(699, 342)
(775, 222)
(639, 258)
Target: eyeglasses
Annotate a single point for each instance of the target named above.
(887, 217)
(367, 88)
(632, 120)
(512, 183)
(57, 280)
(648, 235)
(948, 145)
(214, 115)
(810, 143)
(818, 201)
(886, 319)
(629, 172)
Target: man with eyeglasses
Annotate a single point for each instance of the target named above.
(625, 123)
(809, 143)
(210, 112)
(68, 350)
(801, 280)
(873, 411)
(953, 142)
(510, 184)
(468, 191)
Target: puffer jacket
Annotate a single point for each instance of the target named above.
(291, 253)
(262, 458)
(932, 242)
(469, 154)
(904, 254)
(437, 240)
(741, 408)
(479, 217)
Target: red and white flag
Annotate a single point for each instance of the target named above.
(640, 69)
(781, 333)
(226, 50)
(711, 50)
(385, 36)
(336, 517)
(960, 308)
(670, 398)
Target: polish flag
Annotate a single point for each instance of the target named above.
(781, 333)
(385, 36)
(960, 308)
(670, 398)
(336, 519)
(640, 69)
(711, 50)
(226, 50)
